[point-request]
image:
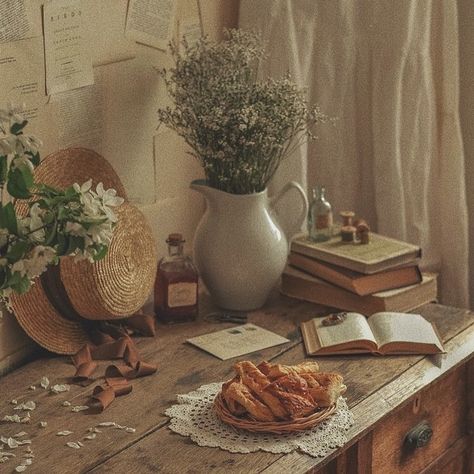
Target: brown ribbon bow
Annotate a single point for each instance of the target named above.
(114, 342)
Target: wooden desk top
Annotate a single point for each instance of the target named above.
(376, 385)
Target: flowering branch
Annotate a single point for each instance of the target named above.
(76, 221)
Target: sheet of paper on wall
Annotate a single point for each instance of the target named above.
(237, 341)
(14, 23)
(151, 22)
(22, 82)
(104, 23)
(68, 62)
(190, 29)
(79, 118)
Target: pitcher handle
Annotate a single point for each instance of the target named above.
(288, 186)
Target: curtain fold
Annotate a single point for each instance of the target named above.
(389, 73)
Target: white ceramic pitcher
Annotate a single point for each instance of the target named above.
(239, 248)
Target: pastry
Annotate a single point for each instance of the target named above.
(325, 387)
(278, 370)
(234, 407)
(239, 393)
(257, 382)
(275, 392)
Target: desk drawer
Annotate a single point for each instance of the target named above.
(443, 410)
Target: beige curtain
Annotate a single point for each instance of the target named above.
(389, 72)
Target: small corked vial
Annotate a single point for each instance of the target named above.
(347, 217)
(347, 233)
(363, 233)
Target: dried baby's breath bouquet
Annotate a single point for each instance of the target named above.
(240, 128)
(76, 221)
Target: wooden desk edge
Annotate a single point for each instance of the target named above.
(382, 403)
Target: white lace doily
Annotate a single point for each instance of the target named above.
(193, 416)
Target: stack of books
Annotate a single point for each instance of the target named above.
(380, 276)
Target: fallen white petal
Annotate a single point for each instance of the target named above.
(32, 387)
(44, 382)
(59, 388)
(43, 424)
(66, 404)
(79, 408)
(90, 436)
(73, 445)
(31, 405)
(107, 423)
(13, 402)
(20, 434)
(64, 433)
(130, 430)
(12, 418)
(20, 468)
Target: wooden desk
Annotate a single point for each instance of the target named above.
(388, 396)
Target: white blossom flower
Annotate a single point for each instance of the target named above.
(22, 160)
(39, 260)
(76, 229)
(84, 188)
(36, 222)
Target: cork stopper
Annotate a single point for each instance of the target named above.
(347, 217)
(175, 239)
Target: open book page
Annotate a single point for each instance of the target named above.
(403, 330)
(353, 328)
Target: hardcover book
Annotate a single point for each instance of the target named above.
(356, 282)
(381, 253)
(382, 333)
(301, 285)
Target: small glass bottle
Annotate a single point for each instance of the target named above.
(320, 220)
(176, 285)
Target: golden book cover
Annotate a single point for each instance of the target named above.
(382, 333)
(381, 253)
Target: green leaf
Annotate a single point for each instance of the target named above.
(19, 182)
(51, 234)
(101, 252)
(34, 158)
(22, 286)
(13, 279)
(75, 243)
(17, 251)
(70, 193)
(16, 128)
(8, 218)
(3, 169)
(63, 244)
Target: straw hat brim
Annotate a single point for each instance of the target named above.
(40, 320)
(34, 312)
(118, 285)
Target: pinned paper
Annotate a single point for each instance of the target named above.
(151, 22)
(68, 64)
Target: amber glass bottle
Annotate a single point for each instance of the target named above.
(176, 285)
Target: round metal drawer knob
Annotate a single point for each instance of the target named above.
(419, 435)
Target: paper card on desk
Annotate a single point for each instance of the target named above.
(237, 341)
(68, 64)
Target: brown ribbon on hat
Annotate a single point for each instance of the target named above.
(109, 341)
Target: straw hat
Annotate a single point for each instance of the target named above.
(64, 301)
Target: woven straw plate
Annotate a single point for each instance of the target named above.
(277, 427)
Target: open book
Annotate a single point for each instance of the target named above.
(381, 333)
